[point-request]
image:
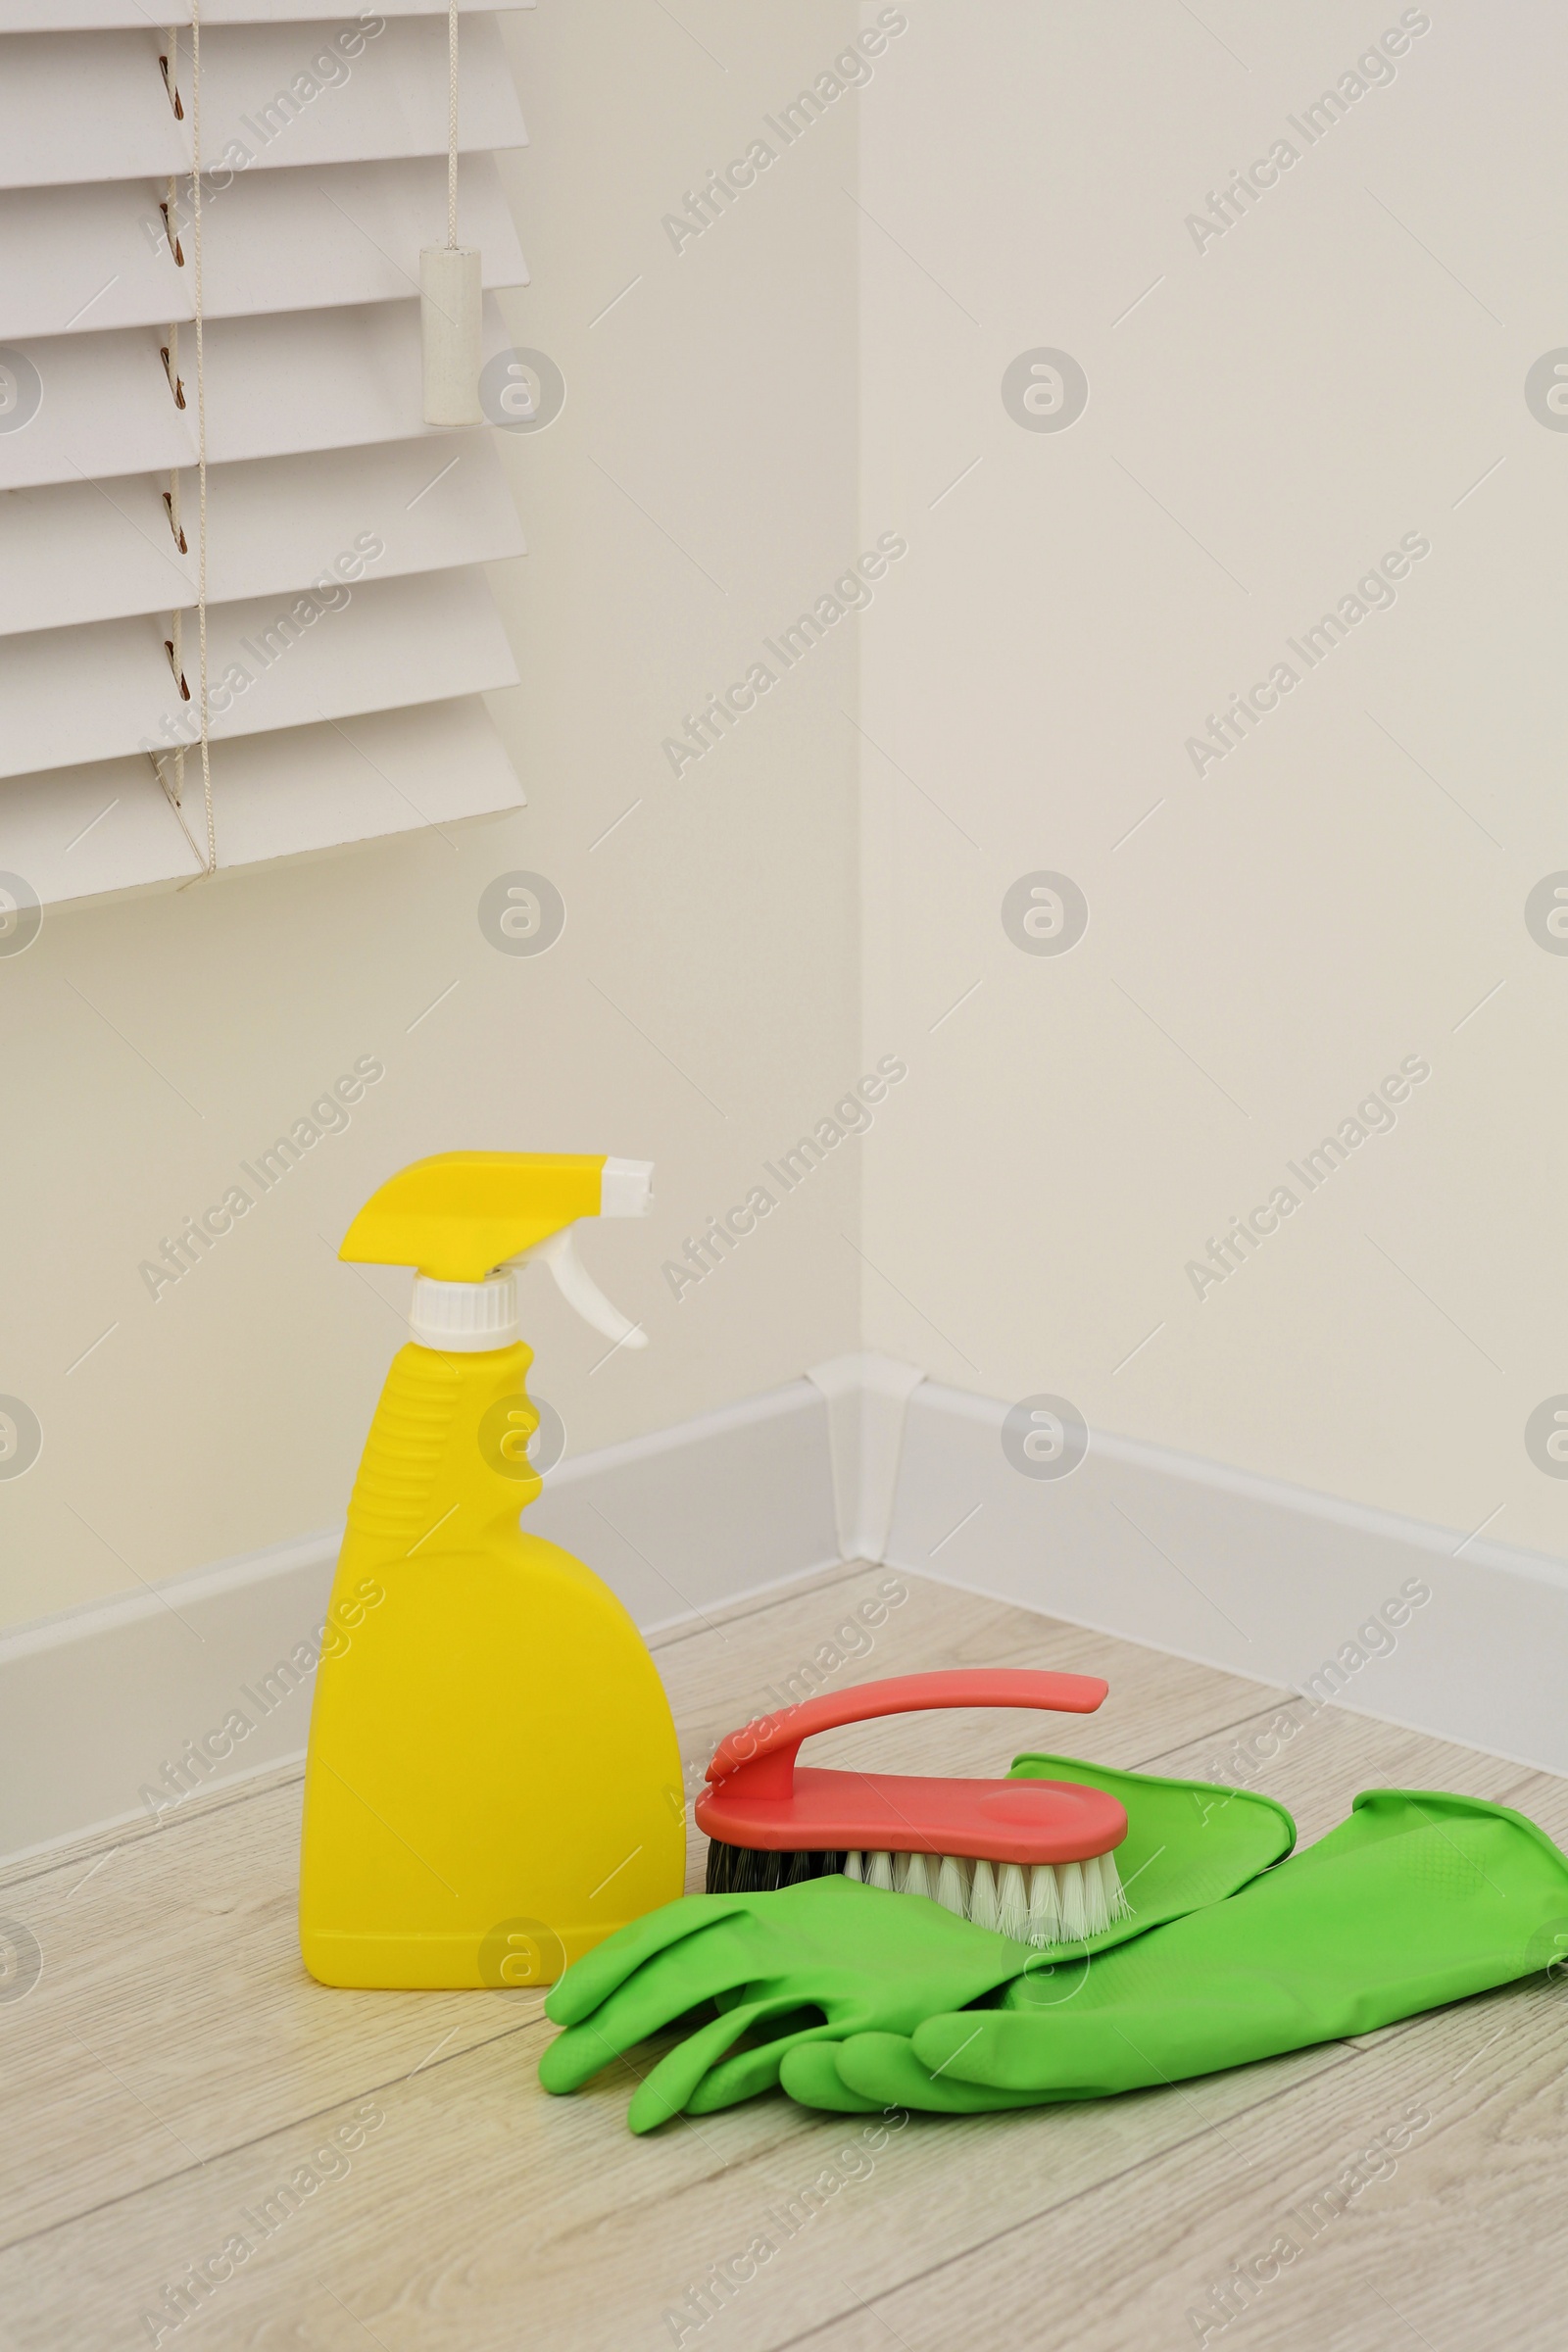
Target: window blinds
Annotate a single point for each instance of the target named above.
(350, 631)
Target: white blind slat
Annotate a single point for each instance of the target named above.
(102, 551)
(76, 261)
(83, 259)
(388, 99)
(130, 15)
(313, 379)
(105, 690)
(82, 832)
(105, 409)
(121, 123)
(273, 96)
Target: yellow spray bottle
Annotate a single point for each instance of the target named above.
(493, 1784)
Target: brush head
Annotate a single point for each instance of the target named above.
(1028, 1858)
(1045, 1905)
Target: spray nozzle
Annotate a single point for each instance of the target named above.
(465, 1220)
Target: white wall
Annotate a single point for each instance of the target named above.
(1337, 369)
(1267, 416)
(700, 1007)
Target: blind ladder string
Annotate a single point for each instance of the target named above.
(174, 793)
(201, 428)
(209, 858)
(452, 126)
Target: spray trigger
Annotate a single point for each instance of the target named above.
(580, 1290)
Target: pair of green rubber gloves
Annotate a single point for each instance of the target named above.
(855, 1998)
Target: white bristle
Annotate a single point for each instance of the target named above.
(1045, 1906)
(1074, 1907)
(917, 1876)
(983, 1895)
(1049, 1904)
(953, 1892)
(1012, 1903)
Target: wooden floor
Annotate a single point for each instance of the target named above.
(172, 2068)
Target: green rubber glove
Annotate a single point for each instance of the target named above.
(810, 1963)
(853, 1958)
(1418, 1899)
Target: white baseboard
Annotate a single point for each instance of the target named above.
(1248, 1573)
(720, 1505)
(95, 1705)
(98, 1701)
(863, 1459)
(866, 1397)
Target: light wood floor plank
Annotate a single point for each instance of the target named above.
(1314, 1761)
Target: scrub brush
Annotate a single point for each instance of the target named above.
(1030, 1859)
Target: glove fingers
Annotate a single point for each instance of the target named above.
(883, 2069)
(752, 2071)
(575, 2057)
(592, 1979)
(702, 1968)
(668, 2090)
(810, 2073)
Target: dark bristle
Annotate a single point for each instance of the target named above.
(745, 1870)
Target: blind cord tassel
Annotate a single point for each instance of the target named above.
(451, 291)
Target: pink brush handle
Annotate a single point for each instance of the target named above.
(765, 1750)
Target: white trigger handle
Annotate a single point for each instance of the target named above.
(626, 1190)
(579, 1288)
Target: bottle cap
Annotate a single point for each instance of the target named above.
(464, 1318)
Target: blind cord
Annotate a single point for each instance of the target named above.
(200, 425)
(452, 126)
